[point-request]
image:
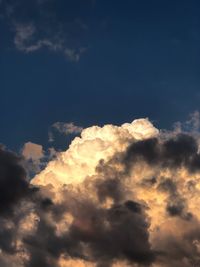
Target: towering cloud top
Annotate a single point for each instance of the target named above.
(95, 143)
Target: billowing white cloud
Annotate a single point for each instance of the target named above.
(95, 143)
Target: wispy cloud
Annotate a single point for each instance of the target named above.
(25, 40)
(74, 55)
(45, 30)
(66, 128)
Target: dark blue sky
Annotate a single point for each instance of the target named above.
(96, 62)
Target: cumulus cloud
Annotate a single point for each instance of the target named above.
(119, 196)
(130, 168)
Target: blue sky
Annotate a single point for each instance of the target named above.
(95, 62)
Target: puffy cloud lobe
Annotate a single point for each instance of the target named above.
(32, 151)
(34, 158)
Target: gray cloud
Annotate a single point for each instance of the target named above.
(65, 128)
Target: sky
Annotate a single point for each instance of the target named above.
(95, 62)
(100, 133)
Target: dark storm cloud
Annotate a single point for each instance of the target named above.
(176, 204)
(15, 194)
(109, 188)
(175, 152)
(13, 183)
(13, 189)
(180, 150)
(118, 232)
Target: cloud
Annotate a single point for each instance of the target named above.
(119, 196)
(129, 170)
(23, 35)
(26, 41)
(65, 128)
(94, 144)
(34, 158)
(13, 183)
(194, 121)
(44, 30)
(102, 229)
(74, 55)
(32, 151)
